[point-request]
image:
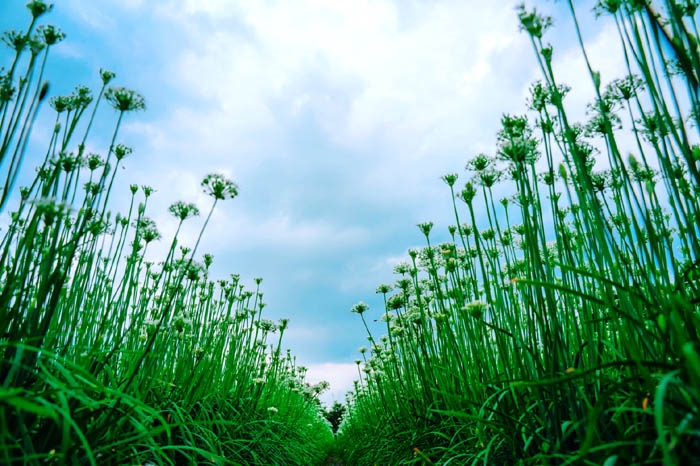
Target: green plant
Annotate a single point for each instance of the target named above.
(558, 327)
(108, 357)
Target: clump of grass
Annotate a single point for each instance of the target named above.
(108, 357)
(559, 324)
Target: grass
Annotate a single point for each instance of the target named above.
(107, 357)
(559, 324)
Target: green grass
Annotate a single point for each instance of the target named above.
(559, 324)
(108, 358)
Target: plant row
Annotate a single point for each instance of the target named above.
(108, 356)
(558, 322)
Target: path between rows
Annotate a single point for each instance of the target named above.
(333, 460)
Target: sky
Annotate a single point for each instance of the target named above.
(336, 118)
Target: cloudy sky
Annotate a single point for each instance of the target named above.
(337, 119)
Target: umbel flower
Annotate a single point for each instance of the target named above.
(476, 309)
(515, 140)
(15, 40)
(6, 88)
(450, 179)
(148, 229)
(78, 100)
(51, 34)
(425, 227)
(183, 210)
(218, 187)
(468, 193)
(38, 8)
(125, 100)
(359, 308)
(479, 163)
(532, 22)
(106, 76)
(121, 151)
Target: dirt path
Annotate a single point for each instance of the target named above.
(333, 460)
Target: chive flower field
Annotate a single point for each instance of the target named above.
(557, 326)
(108, 358)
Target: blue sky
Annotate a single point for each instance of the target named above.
(337, 119)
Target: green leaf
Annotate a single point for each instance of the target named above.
(23, 403)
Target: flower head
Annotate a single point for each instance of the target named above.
(283, 323)
(479, 163)
(6, 88)
(148, 229)
(38, 8)
(476, 309)
(624, 88)
(125, 100)
(121, 151)
(425, 227)
(106, 76)
(450, 179)
(218, 187)
(51, 34)
(360, 308)
(532, 22)
(468, 193)
(384, 289)
(489, 177)
(15, 40)
(515, 140)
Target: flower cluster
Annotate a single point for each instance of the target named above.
(125, 100)
(218, 187)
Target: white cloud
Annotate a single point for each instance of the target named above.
(341, 377)
(90, 14)
(369, 71)
(234, 230)
(280, 232)
(362, 275)
(133, 4)
(404, 90)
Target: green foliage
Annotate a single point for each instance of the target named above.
(559, 325)
(334, 415)
(107, 357)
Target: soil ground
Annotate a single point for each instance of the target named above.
(333, 460)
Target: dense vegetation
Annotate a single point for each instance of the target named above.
(559, 324)
(106, 357)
